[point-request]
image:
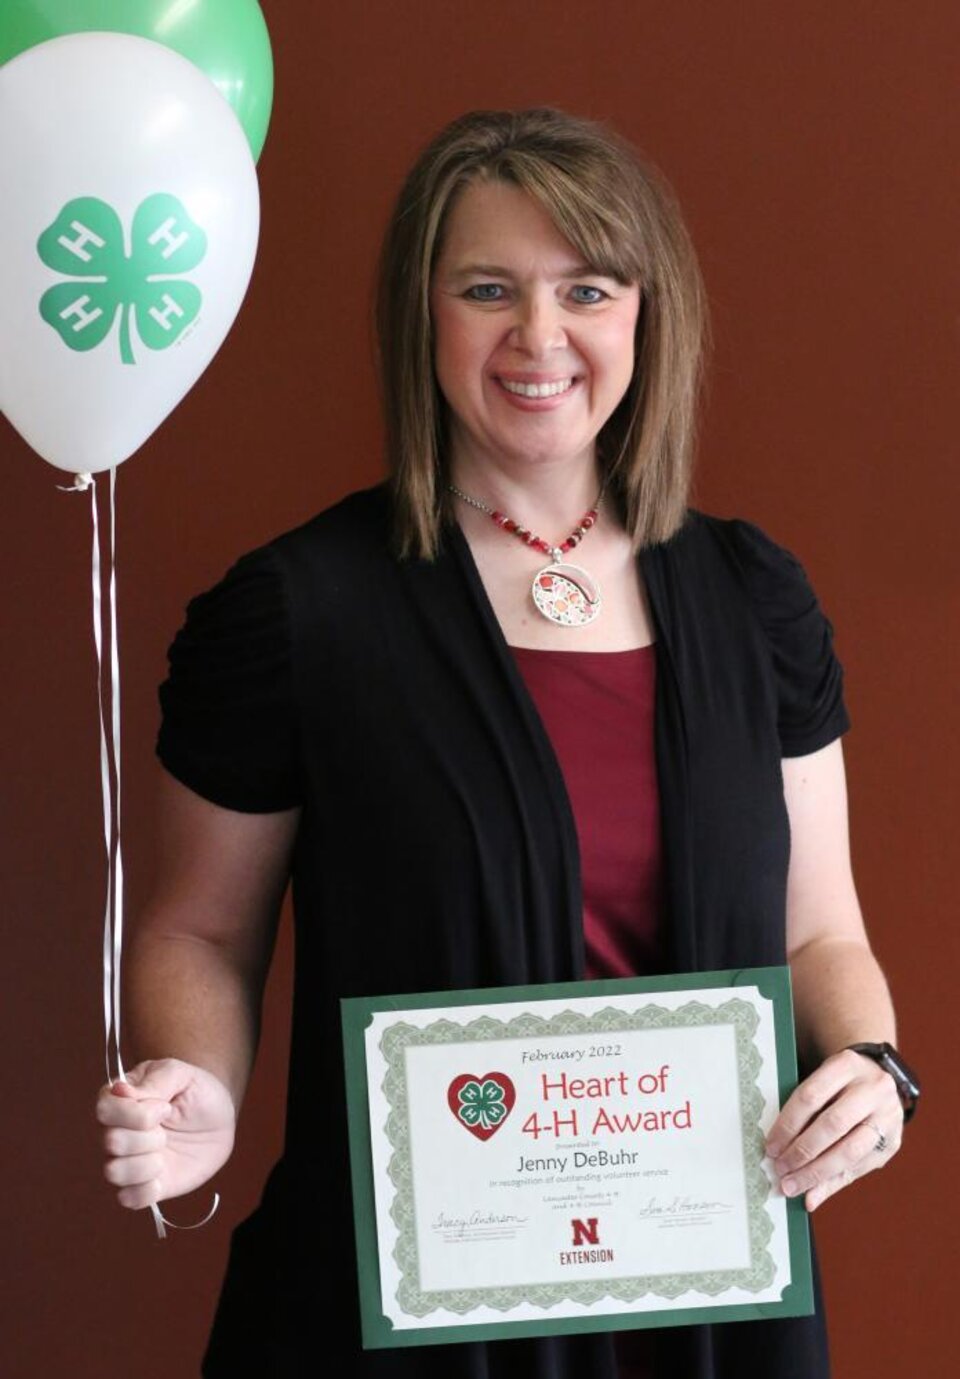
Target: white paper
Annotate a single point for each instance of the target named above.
(638, 1193)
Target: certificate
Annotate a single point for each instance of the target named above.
(578, 1157)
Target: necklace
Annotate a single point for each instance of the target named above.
(563, 593)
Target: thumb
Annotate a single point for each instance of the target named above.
(157, 1109)
(159, 1079)
(123, 1089)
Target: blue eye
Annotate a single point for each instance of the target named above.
(484, 292)
(585, 295)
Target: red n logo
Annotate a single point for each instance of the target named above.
(585, 1232)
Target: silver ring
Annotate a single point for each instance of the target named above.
(881, 1143)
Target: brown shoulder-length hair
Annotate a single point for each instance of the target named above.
(623, 218)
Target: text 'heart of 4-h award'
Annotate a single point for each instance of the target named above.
(580, 1157)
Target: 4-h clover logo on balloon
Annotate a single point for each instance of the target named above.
(86, 242)
(481, 1104)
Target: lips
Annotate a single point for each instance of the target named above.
(552, 388)
(537, 394)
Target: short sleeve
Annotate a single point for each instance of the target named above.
(229, 727)
(809, 677)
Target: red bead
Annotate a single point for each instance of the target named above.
(576, 536)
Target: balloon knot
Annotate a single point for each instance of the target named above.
(81, 482)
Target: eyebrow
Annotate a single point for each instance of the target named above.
(492, 270)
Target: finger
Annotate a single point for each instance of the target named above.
(136, 1198)
(122, 1110)
(134, 1170)
(892, 1136)
(159, 1079)
(165, 1078)
(123, 1089)
(119, 1143)
(812, 1095)
(833, 1124)
(872, 1104)
(818, 1195)
(853, 1155)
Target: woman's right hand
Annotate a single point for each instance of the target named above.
(169, 1128)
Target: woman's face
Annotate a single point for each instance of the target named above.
(532, 349)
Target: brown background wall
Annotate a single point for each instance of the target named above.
(815, 149)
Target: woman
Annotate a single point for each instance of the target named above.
(484, 768)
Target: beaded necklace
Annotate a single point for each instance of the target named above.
(563, 593)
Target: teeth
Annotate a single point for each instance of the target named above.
(537, 389)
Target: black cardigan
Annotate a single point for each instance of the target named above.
(437, 849)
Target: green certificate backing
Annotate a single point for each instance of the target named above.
(773, 983)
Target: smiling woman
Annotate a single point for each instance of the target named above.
(476, 781)
(605, 237)
(532, 350)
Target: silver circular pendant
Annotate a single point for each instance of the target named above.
(566, 595)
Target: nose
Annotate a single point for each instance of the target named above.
(538, 327)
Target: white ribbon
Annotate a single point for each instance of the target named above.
(110, 787)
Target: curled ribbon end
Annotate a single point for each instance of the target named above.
(158, 1221)
(161, 1223)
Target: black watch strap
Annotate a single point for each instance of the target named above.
(908, 1084)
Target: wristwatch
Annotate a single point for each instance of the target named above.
(908, 1084)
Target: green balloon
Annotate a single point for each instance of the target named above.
(227, 39)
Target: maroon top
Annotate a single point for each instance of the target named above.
(597, 709)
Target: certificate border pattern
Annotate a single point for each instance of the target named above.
(757, 1276)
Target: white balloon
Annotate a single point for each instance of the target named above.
(127, 239)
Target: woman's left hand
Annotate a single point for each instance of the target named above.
(842, 1121)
